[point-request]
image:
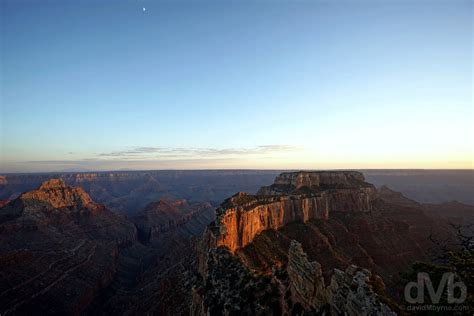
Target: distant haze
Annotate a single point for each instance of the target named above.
(115, 85)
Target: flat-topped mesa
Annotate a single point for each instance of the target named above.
(314, 181)
(59, 195)
(298, 196)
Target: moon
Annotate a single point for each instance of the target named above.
(144, 9)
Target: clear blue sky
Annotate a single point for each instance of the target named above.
(102, 85)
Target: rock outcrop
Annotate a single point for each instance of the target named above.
(230, 288)
(341, 225)
(52, 195)
(58, 250)
(351, 293)
(305, 279)
(300, 182)
(296, 247)
(58, 195)
(294, 197)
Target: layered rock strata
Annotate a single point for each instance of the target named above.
(293, 197)
(305, 278)
(294, 182)
(58, 249)
(161, 217)
(57, 194)
(350, 292)
(342, 222)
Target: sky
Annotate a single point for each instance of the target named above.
(148, 84)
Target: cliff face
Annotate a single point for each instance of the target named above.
(230, 289)
(306, 280)
(293, 197)
(350, 292)
(341, 226)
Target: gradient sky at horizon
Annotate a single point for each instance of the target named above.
(105, 85)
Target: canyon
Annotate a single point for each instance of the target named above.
(63, 253)
(311, 242)
(58, 248)
(128, 192)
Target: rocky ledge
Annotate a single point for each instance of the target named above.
(231, 289)
(297, 196)
(350, 292)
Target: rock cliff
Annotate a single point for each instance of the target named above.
(296, 247)
(293, 197)
(341, 221)
(305, 279)
(294, 182)
(350, 292)
(230, 288)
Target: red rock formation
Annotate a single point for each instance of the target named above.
(338, 224)
(294, 181)
(57, 194)
(58, 250)
(294, 197)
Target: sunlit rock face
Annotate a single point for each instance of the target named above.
(355, 240)
(57, 194)
(300, 196)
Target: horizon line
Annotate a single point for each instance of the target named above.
(239, 169)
